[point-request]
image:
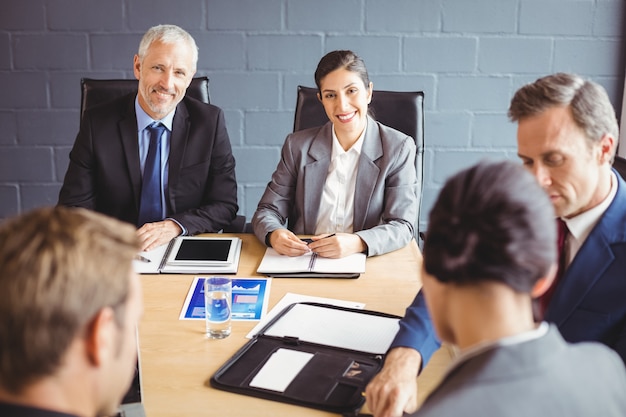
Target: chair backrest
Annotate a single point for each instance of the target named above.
(94, 92)
(401, 110)
(620, 165)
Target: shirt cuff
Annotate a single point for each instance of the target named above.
(184, 233)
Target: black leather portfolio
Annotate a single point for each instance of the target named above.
(313, 355)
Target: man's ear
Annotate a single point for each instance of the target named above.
(607, 148)
(543, 283)
(137, 66)
(100, 336)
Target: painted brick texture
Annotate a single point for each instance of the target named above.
(467, 56)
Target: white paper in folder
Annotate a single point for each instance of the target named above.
(292, 298)
(339, 328)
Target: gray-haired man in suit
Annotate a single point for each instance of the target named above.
(181, 182)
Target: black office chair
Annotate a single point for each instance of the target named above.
(94, 92)
(620, 165)
(403, 111)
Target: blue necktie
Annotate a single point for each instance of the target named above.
(150, 207)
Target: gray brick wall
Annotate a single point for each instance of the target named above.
(467, 56)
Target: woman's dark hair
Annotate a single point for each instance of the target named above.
(491, 222)
(340, 59)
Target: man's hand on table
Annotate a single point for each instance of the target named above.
(156, 234)
(394, 390)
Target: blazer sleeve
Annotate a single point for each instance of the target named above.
(416, 330)
(279, 196)
(78, 189)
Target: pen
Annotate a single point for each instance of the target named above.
(142, 258)
(309, 240)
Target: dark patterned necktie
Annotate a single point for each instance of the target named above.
(150, 206)
(562, 264)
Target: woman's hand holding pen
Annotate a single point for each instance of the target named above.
(337, 245)
(286, 243)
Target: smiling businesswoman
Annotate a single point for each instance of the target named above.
(352, 177)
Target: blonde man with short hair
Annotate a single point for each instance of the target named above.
(69, 306)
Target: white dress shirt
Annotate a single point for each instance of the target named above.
(580, 226)
(143, 121)
(336, 212)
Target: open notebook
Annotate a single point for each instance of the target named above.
(310, 265)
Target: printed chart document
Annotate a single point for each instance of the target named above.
(192, 255)
(310, 265)
(250, 299)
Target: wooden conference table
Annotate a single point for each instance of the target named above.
(177, 360)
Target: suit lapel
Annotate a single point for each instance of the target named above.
(178, 146)
(130, 143)
(367, 173)
(315, 173)
(581, 274)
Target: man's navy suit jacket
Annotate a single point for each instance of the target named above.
(104, 172)
(589, 302)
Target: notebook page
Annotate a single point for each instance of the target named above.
(354, 263)
(274, 262)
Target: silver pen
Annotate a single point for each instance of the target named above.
(142, 258)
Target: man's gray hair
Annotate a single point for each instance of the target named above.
(167, 34)
(590, 105)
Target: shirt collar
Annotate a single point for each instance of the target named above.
(580, 226)
(143, 120)
(472, 351)
(338, 149)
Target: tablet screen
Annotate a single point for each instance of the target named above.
(203, 250)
